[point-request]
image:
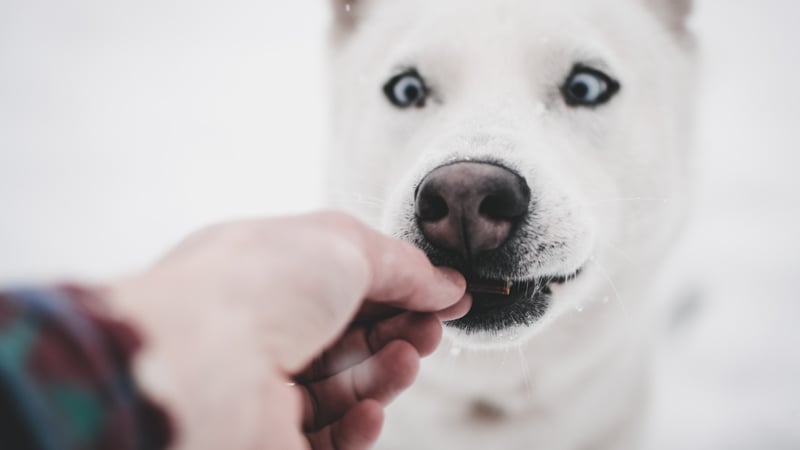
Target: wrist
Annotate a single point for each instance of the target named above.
(131, 300)
(108, 347)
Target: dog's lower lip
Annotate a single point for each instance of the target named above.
(525, 303)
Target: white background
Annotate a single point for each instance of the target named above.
(125, 125)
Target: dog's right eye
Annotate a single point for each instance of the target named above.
(406, 89)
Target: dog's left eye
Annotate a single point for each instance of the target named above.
(406, 89)
(588, 87)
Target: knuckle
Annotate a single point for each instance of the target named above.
(349, 257)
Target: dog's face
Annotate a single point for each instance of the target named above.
(539, 142)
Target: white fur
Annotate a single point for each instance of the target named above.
(609, 183)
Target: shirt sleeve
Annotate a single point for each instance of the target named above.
(65, 376)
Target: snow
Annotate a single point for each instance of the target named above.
(124, 126)
(728, 378)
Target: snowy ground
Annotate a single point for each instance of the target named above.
(124, 125)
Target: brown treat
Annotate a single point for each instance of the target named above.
(495, 287)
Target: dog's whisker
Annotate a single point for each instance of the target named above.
(353, 183)
(613, 286)
(358, 178)
(452, 356)
(360, 199)
(625, 256)
(357, 194)
(526, 375)
(603, 201)
(369, 198)
(505, 357)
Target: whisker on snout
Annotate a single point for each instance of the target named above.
(605, 201)
(613, 286)
(359, 198)
(636, 266)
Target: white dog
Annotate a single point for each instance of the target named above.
(538, 142)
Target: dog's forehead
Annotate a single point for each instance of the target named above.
(499, 19)
(498, 33)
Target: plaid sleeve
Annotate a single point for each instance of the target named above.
(65, 376)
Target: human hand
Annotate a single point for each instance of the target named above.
(238, 311)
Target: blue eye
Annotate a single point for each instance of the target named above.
(406, 89)
(588, 87)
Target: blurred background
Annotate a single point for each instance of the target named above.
(126, 125)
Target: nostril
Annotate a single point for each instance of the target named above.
(496, 207)
(506, 206)
(431, 208)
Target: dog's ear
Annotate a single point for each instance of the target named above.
(346, 12)
(674, 12)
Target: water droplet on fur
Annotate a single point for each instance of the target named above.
(347, 7)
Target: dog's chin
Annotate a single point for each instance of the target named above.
(505, 318)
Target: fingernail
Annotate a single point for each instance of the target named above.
(453, 276)
(457, 311)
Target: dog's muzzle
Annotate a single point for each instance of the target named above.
(467, 213)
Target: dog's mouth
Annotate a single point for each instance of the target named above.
(500, 304)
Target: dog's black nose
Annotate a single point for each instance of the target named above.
(470, 207)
